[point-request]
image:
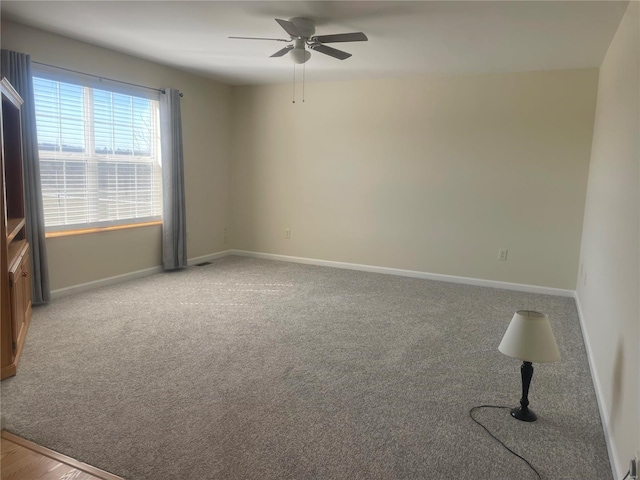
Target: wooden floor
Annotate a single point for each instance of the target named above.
(24, 460)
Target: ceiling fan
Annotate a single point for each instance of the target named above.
(302, 37)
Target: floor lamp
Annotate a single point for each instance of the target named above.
(529, 338)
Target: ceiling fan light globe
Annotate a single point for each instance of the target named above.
(299, 55)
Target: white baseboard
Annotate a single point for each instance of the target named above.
(324, 263)
(602, 406)
(83, 287)
(103, 282)
(411, 273)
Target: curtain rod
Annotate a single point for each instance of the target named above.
(161, 90)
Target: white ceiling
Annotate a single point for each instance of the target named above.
(405, 38)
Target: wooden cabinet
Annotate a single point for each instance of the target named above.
(20, 295)
(15, 275)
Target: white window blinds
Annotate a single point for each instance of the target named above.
(99, 153)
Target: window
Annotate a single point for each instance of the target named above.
(99, 152)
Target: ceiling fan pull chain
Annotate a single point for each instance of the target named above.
(304, 67)
(293, 100)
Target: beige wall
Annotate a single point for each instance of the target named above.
(205, 118)
(609, 287)
(429, 174)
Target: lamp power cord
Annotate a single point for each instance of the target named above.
(497, 439)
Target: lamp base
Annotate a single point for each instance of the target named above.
(524, 414)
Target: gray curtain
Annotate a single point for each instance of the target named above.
(17, 68)
(174, 226)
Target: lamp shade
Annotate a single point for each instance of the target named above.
(529, 338)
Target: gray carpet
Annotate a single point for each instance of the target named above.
(257, 369)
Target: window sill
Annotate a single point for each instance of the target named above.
(84, 231)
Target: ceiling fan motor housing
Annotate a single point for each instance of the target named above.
(306, 29)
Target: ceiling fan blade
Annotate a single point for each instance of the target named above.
(282, 52)
(341, 37)
(260, 38)
(332, 52)
(289, 27)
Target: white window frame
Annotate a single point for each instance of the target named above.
(89, 156)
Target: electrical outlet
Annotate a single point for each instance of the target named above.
(502, 254)
(287, 233)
